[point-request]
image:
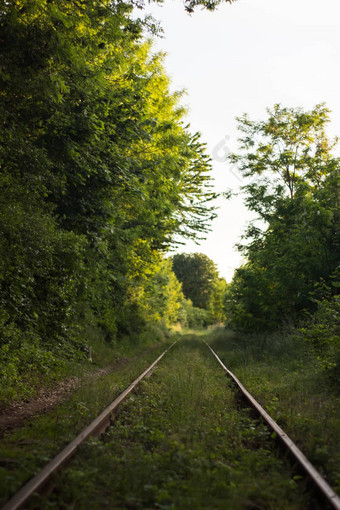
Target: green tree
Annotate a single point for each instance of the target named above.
(289, 151)
(163, 295)
(217, 300)
(322, 329)
(197, 273)
(95, 159)
(295, 192)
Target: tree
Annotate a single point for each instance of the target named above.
(296, 194)
(163, 295)
(96, 160)
(198, 274)
(286, 152)
(217, 300)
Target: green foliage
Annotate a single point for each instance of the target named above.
(295, 192)
(203, 289)
(322, 329)
(197, 273)
(165, 294)
(217, 300)
(25, 450)
(40, 269)
(98, 175)
(156, 294)
(193, 317)
(23, 365)
(290, 148)
(281, 371)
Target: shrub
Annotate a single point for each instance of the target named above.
(322, 330)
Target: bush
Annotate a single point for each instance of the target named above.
(322, 331)
(23, 360)
(193, 317)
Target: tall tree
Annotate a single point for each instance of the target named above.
(296, 182)
(198, 274)
(285, 152)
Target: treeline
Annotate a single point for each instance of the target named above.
(99, 177)
(292, 251)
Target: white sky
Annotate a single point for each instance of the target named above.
(241, 58)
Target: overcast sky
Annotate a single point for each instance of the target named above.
(241, 58)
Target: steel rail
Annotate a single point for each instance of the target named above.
(313, 474)
(97, 427)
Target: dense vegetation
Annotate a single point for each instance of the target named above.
(25, 450)
(286, 378)
(99, 177)
(292, 271)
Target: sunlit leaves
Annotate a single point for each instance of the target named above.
(289, 147)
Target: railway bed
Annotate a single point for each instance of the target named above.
(101, 424)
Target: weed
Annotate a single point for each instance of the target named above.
(25, 450)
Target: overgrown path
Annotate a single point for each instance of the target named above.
(15, 414)
(182, 441)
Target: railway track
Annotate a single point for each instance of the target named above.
(39, 482)
(98, 426)
(318, 481)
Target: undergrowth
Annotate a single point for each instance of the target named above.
(27, 365)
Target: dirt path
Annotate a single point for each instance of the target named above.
(14, 415)
(46, 399)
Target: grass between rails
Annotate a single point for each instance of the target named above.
(286, 378)
(181, 442)
(27, 449)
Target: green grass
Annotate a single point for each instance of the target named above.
(25, 450)
(182, 441)
(284, 375)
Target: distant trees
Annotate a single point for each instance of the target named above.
(295, 191)
(217, 300)
(197, 273)
(201, 284)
